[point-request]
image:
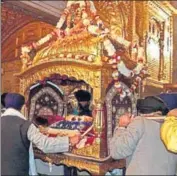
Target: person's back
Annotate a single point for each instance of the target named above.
(15, 146)
(150, 156)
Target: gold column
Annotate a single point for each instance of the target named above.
(161, 44)
(134, 34)
(173, 49)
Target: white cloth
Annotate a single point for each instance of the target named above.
(32, 164)
(115, 172)
(13, 112)
(44, 168)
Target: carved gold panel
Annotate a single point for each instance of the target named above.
(31, 32)
(89, 151)
(10, 83)
(82, 164)
(117, 16)
(141, 19)
(90, 74)
(11, 63)
(159, 48)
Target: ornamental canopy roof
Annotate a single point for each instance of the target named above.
(81, 37)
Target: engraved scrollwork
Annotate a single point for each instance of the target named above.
(91, 151)
(108, 99)
(115, 14)
(93, 78)
(49, 91)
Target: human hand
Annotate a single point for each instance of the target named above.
(125, 120)
(74, 139)
(43, 130)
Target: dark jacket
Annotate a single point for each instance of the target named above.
(14, 146)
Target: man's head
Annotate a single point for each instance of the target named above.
(151, 105)
(15, 101)
(3, 96)
(83, 97)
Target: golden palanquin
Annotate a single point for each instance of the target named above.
(97, 74)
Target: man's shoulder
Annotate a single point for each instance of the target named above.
(139, 119)
(15, 119)
(146, 120)
(138, 122)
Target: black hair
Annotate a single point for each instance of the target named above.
(3, 96)
(41, 121)
(82, 95)
(151, 104)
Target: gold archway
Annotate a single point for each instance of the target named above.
(96, 76)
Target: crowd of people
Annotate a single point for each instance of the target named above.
(147, 141)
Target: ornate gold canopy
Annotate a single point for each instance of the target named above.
(87, 46)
